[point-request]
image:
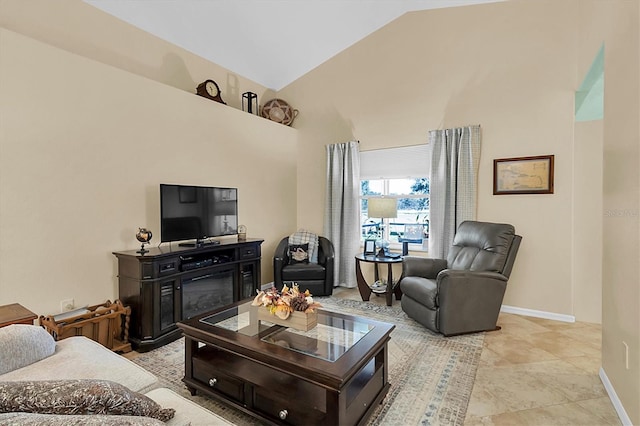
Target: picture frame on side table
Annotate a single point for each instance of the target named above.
(523, 175)
(369, 247)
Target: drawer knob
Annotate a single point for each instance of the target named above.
(212, 382)
(283, 414)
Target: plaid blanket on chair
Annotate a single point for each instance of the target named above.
(302, 236)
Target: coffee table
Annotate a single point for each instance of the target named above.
(333, 374)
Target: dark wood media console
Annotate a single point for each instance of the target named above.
(173, 283)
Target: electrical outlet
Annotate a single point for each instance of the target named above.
(626, 355)
(67, 305)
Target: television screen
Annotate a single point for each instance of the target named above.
(197, 212)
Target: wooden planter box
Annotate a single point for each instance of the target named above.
(107, 324)
(297, 320)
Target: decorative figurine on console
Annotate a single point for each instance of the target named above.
(242, 233)
(144, 236)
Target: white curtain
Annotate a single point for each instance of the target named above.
(453, 181)
(342, 214)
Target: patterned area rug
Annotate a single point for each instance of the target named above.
(431, 376)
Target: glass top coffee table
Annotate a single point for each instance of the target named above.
(334, 373)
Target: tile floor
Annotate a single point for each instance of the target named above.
(536, 372)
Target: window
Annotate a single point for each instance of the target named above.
(411, 224)
(400, 174)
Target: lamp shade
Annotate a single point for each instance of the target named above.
(383, 207)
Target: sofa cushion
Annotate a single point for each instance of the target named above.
(22, 344)
(78, 397)
(188, 413)
(303, 272)
(36, 419)
(305, 237)
(79, 357)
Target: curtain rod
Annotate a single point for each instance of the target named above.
(396, 147)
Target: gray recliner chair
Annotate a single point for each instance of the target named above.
(463, 293)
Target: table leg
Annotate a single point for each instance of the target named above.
(398, 291)
(365, 291)
(190, 349)
(389, 284)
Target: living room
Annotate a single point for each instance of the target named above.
(97, 113)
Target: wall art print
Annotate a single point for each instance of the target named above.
(523, 175)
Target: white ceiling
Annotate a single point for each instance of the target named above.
(272, 42)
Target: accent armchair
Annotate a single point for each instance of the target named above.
(316, 277)
(463, 293)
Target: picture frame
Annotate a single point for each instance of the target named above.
(523, 175)
(413, 233)
(369, 247)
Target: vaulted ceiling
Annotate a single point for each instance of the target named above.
(272, 42)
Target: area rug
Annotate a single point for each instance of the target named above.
(431, 376)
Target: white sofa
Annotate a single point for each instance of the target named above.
(29, 353)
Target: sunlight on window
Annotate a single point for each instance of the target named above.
(412, 223)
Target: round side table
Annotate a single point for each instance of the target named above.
(388, 290)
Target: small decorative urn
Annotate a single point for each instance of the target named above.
(242, 233)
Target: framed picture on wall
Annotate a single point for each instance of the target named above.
(523, 175)
(369, 247)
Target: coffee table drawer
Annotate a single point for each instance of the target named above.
(300, 410)
(217, 380)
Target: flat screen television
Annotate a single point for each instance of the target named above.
(197, 212)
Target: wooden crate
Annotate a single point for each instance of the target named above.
(107, 324)
(297, 320)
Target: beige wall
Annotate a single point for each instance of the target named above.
(84, 147)
(621, 202)
(510, 67)
(78, 27)
(587, 222)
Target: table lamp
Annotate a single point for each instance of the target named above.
(383, 208)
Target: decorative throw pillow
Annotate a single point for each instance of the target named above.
(302, 236)
(21, 345)
(298, 253)
(84, 396)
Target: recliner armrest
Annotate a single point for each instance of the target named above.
(460, 283)
(469, 301)
(414, 266)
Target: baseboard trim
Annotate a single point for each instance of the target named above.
(613, 396)
(537, 314)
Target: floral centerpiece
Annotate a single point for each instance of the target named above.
(289, 304)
